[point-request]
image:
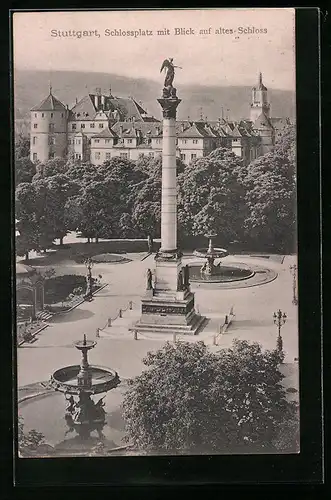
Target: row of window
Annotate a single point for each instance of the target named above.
(82, 125)
(96, 141)
(50, 126)
(97, 155)
(184, 141)
(193, 156)
(43, 115)
(51, 140)
(50, 156)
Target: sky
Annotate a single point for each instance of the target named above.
(210, 58)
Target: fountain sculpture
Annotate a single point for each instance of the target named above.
(209, 272)
(210, 254)
(82, 381)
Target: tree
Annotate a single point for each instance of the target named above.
(56, 190)
(271, 201)
(103, 207)
(286, 144)
(211, 196)
(24, 170)
(27, 225)
(91, 210)
(52, 167)
(192, 400)
(28, 442)
(288, 438)
(22, 146)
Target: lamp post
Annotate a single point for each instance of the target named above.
(88, 264)
(279, 320)
(293, 270)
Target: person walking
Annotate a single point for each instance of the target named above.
(150, 243)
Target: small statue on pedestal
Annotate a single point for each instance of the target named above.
(180, 281)
(186, 277)
(149, 280)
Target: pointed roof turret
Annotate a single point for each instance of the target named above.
(260, 83)
(51, 103)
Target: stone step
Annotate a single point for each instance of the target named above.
(163, 293)
(190, 329)
(44, 315)
(162, 297)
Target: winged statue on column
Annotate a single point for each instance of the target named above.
(169, 67)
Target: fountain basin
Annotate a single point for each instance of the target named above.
(221, 274)
(102, 379)
(45, 413)
(216, 253)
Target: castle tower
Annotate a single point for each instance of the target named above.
(48, 136)
(259, 102)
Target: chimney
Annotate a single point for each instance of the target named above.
(76, 100)
(103, 102)
(96, 102)
(182, 127)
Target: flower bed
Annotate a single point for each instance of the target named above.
(110, 257)
(59, 288)
(26, 330)
(64, 292)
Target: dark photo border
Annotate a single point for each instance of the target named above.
(49, 475)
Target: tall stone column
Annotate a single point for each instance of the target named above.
(169, 306)
(169, 178)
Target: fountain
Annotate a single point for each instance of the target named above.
(82, 381)
(209, 272)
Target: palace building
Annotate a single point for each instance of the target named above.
(101, 126)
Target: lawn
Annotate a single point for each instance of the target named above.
(78, 252)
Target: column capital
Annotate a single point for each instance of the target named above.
(169, 106)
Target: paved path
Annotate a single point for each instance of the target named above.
(253, 307)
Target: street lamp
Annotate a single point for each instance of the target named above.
(293, 270)
(88, 264)
(279, 320)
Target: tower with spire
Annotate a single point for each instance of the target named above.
(48, 129)
(259, 103)
(260, 116)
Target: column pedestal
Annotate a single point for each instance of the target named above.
(165, 308)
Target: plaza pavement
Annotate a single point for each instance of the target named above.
(253, 307)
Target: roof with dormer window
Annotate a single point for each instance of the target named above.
(106, 134)
(146, 129)
(126, 107)
(130, 133)
(195, 130)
